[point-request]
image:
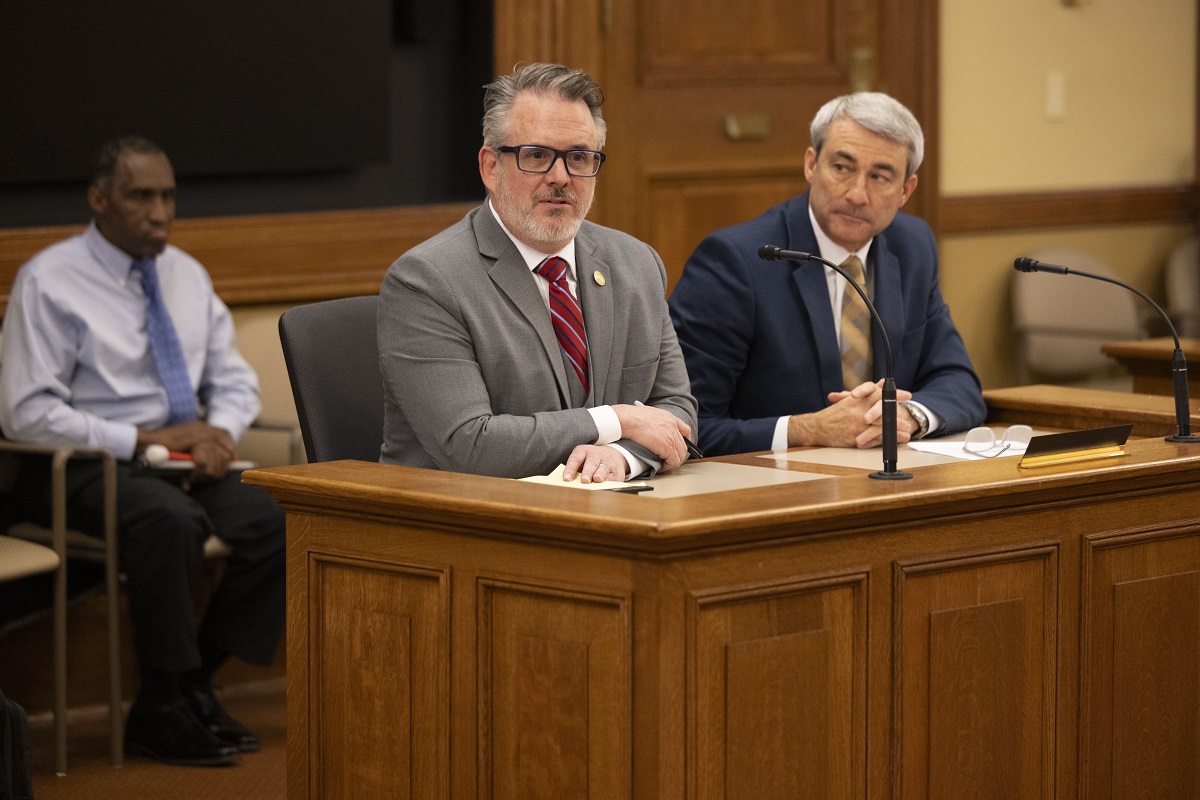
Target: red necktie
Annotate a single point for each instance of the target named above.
(567, 316)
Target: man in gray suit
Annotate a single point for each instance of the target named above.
(498, 361)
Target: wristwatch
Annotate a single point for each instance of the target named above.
(918, 414)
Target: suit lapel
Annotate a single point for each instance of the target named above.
(512, 277)
(597, 303)
(814, 292)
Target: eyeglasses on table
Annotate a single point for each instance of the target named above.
(981, 441)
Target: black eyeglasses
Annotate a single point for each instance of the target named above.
(540, 160)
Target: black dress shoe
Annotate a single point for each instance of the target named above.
(172, 734)
(209, 711)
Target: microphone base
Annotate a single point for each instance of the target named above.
(895, 475)
(1187, 438)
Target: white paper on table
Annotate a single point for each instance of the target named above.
(955, 449)
(555, 478)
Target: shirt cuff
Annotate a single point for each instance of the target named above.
(636, 465)
(934, 421)
(228, 423)
(779, 440)
(607, 424)
(120, 439)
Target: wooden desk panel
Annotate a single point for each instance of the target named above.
(1070, 408)
(972, 632)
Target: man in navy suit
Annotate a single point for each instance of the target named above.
(764, 341)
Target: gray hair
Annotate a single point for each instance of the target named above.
(552, 79)
(879, 113)
(105, 167)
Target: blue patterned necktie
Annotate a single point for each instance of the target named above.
(164, 346)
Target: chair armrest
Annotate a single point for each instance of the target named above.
(60, 457)
(31, 448)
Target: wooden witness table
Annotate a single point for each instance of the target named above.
(1072, 408)
(978, 631)
(1149, 362)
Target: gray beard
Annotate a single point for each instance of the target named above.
(526, 226)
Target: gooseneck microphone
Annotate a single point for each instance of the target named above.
(769, 252)
(1178, 361)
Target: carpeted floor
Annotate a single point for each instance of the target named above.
(259, 776)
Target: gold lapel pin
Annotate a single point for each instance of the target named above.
(598, 276)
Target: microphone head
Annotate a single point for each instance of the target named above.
(1026, 265)
(769, 252)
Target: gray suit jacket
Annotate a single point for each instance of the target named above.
(473, 374)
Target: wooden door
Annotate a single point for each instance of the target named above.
(708, 101)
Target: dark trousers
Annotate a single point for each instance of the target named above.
(161, 532)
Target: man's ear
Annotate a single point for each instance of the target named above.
(97, 199)
(810, 163)
(489, 161)
(910, 186)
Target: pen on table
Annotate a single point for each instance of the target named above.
(631, 489)
(693, 450)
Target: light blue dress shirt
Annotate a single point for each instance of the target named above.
(75, 363)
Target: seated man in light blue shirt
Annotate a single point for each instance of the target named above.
(115, 339)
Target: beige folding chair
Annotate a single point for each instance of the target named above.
(60, 539)
(1183, 288)
(20, 559)
(1062, 321)
(76, 544)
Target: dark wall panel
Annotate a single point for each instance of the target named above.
(263, 107)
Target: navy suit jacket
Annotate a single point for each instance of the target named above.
(758, 336)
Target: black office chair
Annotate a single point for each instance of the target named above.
(332, 360)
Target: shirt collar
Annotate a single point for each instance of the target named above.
(532, 257)
(831, 250)
(113, 259)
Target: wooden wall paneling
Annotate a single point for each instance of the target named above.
(1079, 209)
(382, 643)
(699, 78)
(776, 678)
(975, 660)
(554, 698)
(561, 31)
(772, 39)
(1140, 644)
(909, 69)
(685, 208)
(269, 258)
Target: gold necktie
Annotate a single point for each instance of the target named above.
(856, 329)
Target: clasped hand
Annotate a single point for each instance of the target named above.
(659, 431)
(854, 419)
(212, 448)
